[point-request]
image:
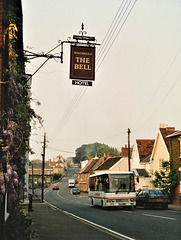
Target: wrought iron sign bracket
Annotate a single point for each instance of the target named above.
(78, 40)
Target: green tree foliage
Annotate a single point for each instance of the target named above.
(56, 176)
(166, 179)
(100, 149)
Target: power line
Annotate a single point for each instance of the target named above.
(109, 31)
(162, 80)
(115, 27)
(81, 91)
(76, 100)
(60, 150)
(116, 34)
(162, 101)
(165, 97)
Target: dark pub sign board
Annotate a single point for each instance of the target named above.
(82, 63)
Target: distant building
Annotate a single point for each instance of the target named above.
(35, 172)
(85, 172)
(59, 164)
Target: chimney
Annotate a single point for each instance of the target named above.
(109, 155)
(124, 151)
(161, 125)
(90, 157)
(104, 158)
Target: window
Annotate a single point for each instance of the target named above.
(160, 162)
(99, 183)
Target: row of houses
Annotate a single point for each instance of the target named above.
(56, 166)
(146, 158)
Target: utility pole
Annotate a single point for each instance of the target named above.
(32, 179)
(129, 157)
(43, 167)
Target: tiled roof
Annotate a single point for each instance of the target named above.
(108, 163)
(165, 132)
(145, 147)
(90, 166)
(175, 134)
(84, 168)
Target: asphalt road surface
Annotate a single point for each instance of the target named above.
(139, 224)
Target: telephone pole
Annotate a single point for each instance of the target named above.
(43, 167)
(32, 178)
(129, 157)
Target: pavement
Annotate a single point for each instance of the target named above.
(51, 224)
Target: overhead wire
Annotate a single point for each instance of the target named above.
(105, 39)
(164, 98)
(116, 21)
(116, 35)
(160, 84)
(99, 60)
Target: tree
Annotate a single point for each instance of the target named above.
(100, 149)
(56, 176)
(166, 179)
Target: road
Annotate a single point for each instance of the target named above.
(123, 224)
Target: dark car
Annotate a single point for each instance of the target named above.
(152, 198)
(75, 191)
(32, 187)
(55, 187)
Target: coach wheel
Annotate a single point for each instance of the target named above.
(102, 203)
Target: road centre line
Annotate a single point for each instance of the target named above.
(125, 211)
(97, 226)
(156, 216)
(60, 196)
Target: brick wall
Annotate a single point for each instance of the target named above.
(1, 47)
(174, 150)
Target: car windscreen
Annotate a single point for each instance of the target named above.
(155, 193)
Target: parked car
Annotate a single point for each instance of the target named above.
(55, 187)
(75, 191)
(152, 198)
(32, 187)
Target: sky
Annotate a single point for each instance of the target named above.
(137, 80)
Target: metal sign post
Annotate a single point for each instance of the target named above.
(82, 57)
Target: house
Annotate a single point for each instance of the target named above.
(58, 164)
(160, 151)
(113, 164)
(35, 173)
(175, 158)
(85, 172)
(140, 162)
(12, 73)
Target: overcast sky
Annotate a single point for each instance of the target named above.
(137, 83)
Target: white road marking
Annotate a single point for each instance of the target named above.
(156, 216)
(60, 195)
(97, 226)
(125, 211)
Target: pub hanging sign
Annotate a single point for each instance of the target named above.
(82, 63)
